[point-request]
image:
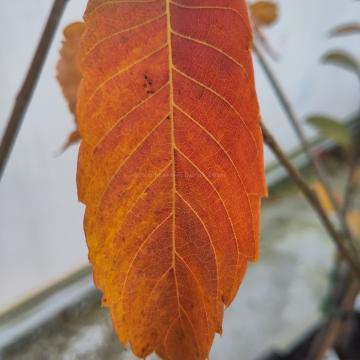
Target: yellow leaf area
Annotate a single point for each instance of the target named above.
(323, 197)
(352, 216)
(264, 13)
(170, 166)
(353, 220)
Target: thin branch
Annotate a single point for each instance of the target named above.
(304, 143)
(24, 96)
(351, 181)
(328, 335)
(312, 198)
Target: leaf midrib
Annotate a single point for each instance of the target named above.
(172, 130)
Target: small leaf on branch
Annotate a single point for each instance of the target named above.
(353, 220)
(342, 59)
(323, 197)
(68, 73)
(332, 129)
(346, 29)
(264, 13)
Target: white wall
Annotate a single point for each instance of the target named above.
(301, 38)
(41, 236)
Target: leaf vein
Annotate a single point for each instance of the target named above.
(208, 235)
(167, 334)
(131, 28)
(172, 136)
(215, 190)
(113, 2)
(148, 237)
(130, 156)
(205, 43)
(122, 117)
(213, 8)
(201, 290)
(155, 286)
(123, 70)
(211, 136)
(221, 98)
(143, 192)
(192, 327)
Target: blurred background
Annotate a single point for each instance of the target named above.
(43, 255)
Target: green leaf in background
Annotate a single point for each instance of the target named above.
(342, 59)
(345, 29)
(332, 129)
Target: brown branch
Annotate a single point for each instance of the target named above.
(24, 96)
(351, 184)
(333, 327)
(304, 143)
(312, 198)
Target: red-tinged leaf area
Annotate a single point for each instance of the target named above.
(170, 166)
(68, 73)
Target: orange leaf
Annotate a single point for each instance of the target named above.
(68, 73)
(170, 166)
(264, 13)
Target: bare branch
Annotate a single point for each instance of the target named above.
(24, 96)
(333, 327)
(351, 184)
(304, 143)
(312, 198)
